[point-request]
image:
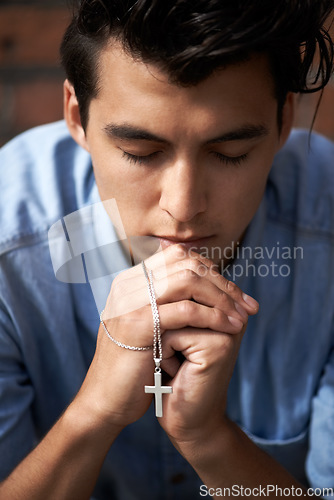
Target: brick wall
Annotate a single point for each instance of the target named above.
(31, 77)
(30, 74)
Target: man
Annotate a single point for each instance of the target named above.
(178, 111)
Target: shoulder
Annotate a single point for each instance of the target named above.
(44, 174)
(300, 188)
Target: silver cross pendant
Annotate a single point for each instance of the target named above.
(158, 390)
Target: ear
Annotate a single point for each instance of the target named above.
(288, 115)
(72, 116)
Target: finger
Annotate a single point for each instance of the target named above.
(128, 290)
(229, 287)
(200, 346)
(136, 328)
(204, 269)
(188, 285)
(129, 294)
(176, 253)
(186, 313)
(164, 264)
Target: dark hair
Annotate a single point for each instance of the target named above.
(190, 39)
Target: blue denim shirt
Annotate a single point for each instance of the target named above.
(282, 390)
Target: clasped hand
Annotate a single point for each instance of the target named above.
(203, 318)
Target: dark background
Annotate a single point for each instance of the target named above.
(31, 77)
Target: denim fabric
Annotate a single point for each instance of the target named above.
(282, 390)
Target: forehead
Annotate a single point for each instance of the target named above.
(133, 90)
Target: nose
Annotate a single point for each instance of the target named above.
(183, 191)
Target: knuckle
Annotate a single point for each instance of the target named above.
(223, 345)
(191, 263)
(209, 263)
(222, 322)
(231, 287)
(177, 251)
(197, 266)
(186, 308)
(219, 318)
(225, 301)
(189, 275)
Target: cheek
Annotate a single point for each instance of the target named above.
(239, 196)
(246, 182)
(253, 191)
(111, 177)
(134, 195)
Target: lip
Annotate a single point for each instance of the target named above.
(189, 243)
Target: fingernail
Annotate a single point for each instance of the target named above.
(241, 310)
(235, 322)
(250, 301)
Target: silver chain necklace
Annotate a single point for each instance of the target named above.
(157, 389)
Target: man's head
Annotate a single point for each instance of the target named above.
(181, 130)
(189, 40)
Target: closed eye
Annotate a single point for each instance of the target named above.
(146, 159)
(136, 159)
(230, 160)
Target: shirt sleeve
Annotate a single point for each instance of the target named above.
(17, 435)
(320, 460)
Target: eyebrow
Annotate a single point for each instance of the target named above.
(129, 132)
(246, 132)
